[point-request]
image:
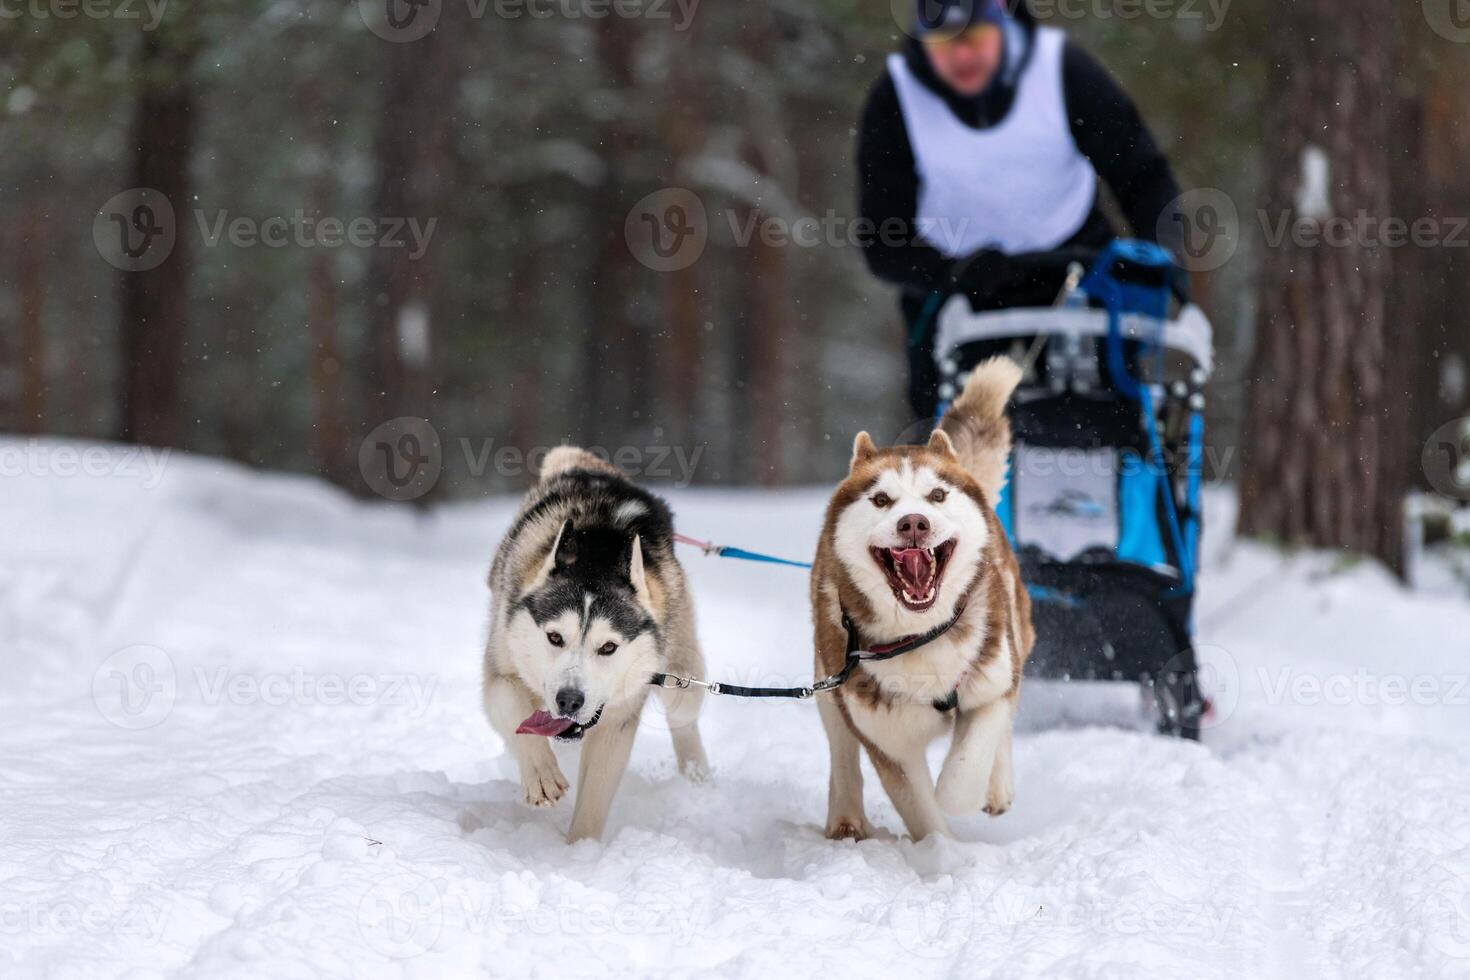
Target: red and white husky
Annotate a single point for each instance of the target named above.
(911, 542)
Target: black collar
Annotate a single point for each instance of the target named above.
(887, 651)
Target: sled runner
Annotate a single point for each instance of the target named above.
(1103, 500)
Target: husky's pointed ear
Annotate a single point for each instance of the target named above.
(638, 576)
(862, 449)
(939, 443)
(549, 565)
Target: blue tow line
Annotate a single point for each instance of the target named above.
(726, 551)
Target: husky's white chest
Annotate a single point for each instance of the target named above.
(942, 666)
(930, 672)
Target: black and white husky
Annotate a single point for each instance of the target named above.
(587, 603)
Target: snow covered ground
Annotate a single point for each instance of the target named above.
(240, 736)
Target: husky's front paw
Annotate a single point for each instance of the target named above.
(543, 785)
(848, 828)
(695, 770)
(1001, 795)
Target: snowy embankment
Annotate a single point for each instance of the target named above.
(242, 737)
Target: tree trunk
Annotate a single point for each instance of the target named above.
(769, 290)
(683, 316)
(155, 302)
(1322, 467)
(615, 370)
(1443, 377)
(31, 408)
(527, 370)
(768, 327)
(412, 147)
(329, 445)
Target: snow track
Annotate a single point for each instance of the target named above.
(242, 737)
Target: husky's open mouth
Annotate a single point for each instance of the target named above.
(914, 574)
(552, 726)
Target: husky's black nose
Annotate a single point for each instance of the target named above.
(915, 527)
(569, 701)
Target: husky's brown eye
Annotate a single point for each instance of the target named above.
(607, 648)
(882, 500)
(937, 495)
(554, 638)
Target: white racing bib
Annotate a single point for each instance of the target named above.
(1019, 186)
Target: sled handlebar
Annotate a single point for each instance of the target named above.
(1189, 333)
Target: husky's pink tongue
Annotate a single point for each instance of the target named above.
(914, 566)
(543, 723)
